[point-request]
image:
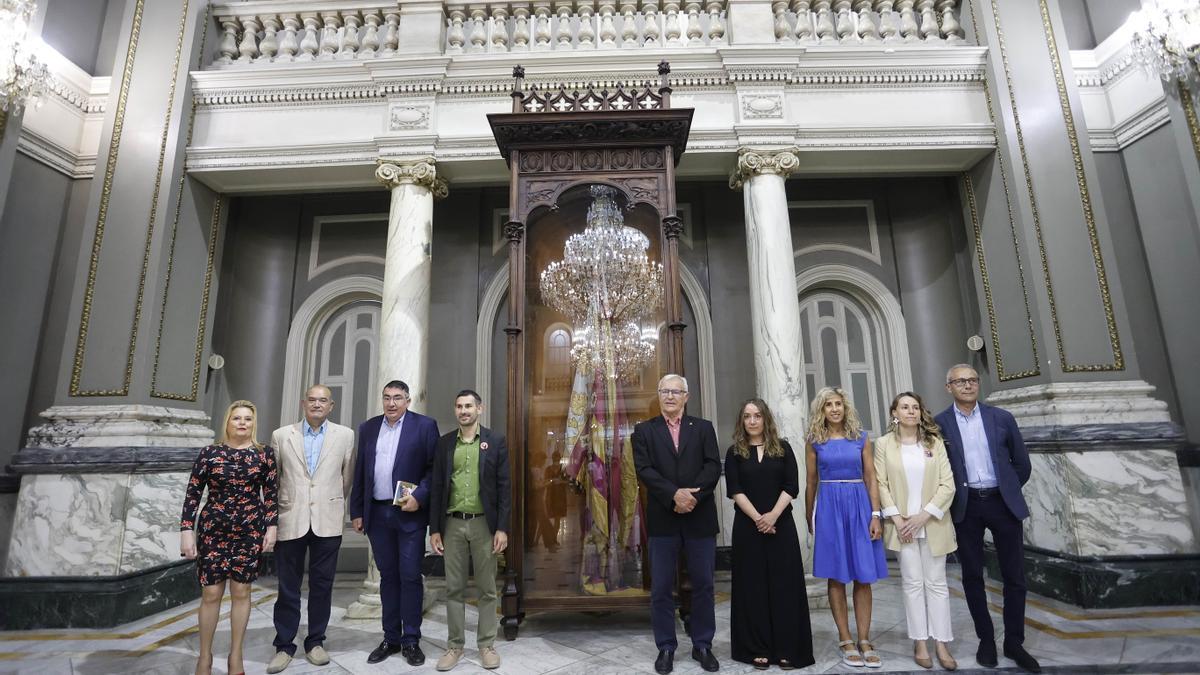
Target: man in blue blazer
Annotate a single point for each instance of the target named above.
(990, 465)
(396, 446)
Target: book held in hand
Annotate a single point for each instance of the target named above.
(404, 489)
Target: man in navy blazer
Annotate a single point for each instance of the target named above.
(990, 465)
(678, 461)
(396, 446)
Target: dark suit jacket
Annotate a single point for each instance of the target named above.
(698, 464)
(495, 491)
(414, 463)
(1009, 458)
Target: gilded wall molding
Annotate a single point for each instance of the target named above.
(752, 163)
(1089, 216)
(1189, 114)
(214, 227)
(421, 172)
(981, 259)
(1064, 364)
(98, 240)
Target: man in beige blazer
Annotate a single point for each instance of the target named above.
(316, 469)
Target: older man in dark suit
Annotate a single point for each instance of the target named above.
(990, 464)
(677, 460)
(396, 446)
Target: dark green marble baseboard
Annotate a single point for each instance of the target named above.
(1109, 582)
(94, 602)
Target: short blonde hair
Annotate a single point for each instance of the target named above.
(224, 437)
(818, 429)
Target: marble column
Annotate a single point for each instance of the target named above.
(404, 325)
(1060, 355)
(775, 308)
(95, 536)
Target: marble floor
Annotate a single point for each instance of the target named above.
(1064, 638)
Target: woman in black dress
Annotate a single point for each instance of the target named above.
(237, 525)
(769, 619)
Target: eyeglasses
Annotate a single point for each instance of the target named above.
(397, 399)
(964, 381)
(672, 392)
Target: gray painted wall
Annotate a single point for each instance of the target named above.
(38, 207)
(1131, 259)
(1171, 238)
(75, 28)
(254, 307)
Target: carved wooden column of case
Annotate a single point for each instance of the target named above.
(556, 143)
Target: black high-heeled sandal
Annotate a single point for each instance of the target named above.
(761, 663)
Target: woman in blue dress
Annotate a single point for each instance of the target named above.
(842, 503)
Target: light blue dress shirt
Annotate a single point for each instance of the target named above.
(976, 452)
(385, 457)
(313, 442)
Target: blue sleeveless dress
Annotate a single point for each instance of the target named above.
(842, 546)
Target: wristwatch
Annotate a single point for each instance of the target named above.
(875, 514)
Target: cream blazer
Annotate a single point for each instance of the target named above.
(937, 491)
(313, 501)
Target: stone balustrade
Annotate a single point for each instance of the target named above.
(543, 25)
(284, 31)
(262, 32)
(832, 22)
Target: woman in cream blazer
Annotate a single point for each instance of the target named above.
(916, 487)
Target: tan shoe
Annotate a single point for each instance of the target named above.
(317, 656)
(489, 658)
(279, 662)
(449, 659)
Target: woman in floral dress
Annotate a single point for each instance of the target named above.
(237, 524)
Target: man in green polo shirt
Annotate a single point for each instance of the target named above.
(470, 502)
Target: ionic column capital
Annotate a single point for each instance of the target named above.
(421, 172)
(758, 162)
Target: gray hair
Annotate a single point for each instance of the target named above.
(673, 376)
(957, 366)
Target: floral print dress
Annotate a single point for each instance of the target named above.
(242, 494)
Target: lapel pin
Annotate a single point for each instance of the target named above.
(483, 446)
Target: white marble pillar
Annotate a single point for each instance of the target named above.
(774, 304)
(404, 326)
(407, 273)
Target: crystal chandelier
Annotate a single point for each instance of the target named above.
(1167, 41)
(22, 75)
(606, 284)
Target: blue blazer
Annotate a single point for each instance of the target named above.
(1009, 458)
(414, 463)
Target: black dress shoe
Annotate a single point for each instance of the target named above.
(986, 654)
(413, 654)
(665, 662)
(1024, 660)
(706, 659)
(384, 650)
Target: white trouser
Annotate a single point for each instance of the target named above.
(926, 597)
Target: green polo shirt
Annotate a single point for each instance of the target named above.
(464, 480)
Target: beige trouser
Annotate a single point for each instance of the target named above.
(926, 597)
(468, 541)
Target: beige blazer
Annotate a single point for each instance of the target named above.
(937, 491)
(313, 501)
